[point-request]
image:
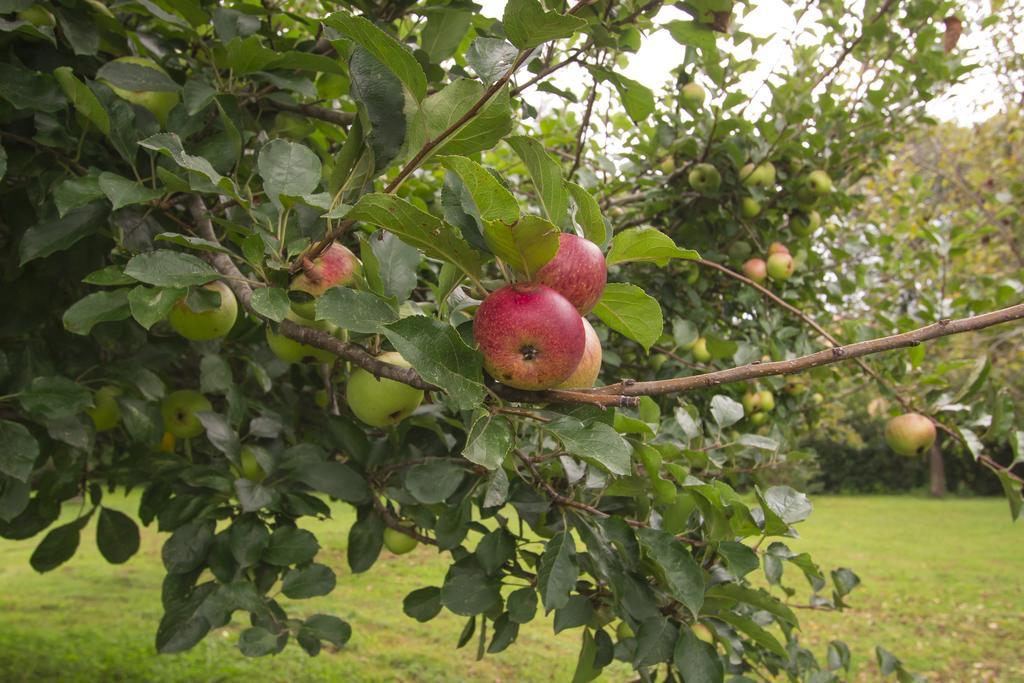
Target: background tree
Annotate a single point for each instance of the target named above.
(152, 151)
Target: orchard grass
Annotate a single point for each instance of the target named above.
(941, 590)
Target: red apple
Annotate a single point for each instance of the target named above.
(777, 248)
(335, 266)
(530, 335)
(577, 272)
(586, 372)
(756, 269)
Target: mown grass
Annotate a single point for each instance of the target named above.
(943, 588)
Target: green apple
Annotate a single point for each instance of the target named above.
(762, 175)
(818, 183)
(205, 325)
(738, 251)
(624, 630)
(656, 361)
(291, 351)
(37, 16)
(382, 402)
(818, 399)
(758, 419)
(179, 410)
(910, 434)
(704, 178)
(159, 102)
(751, 402)
(803, 224)
(780, 266)
(700, 350)
(795, 388)
(692, 95)
(767, 400)
(668, 165)
(750, 207)
(397, 542)
(105, 411)
(251, 468)
(321, 398)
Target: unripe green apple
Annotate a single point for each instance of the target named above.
(179, 410)
(399, 543)
(692, 95)
(780, 266)
(589, 367)
(382, 402)
(158, 102)
(668, 165)
(795, 388)
(657, 361)
(750, 207)
(758, 418)
(105, 411)
(704, 178)
(803, 224)
(251, 468)
(37, 16)
(738, 251)
(336, 266)
(910, 434)
(818, 182)
(321, 398)
(767, 400)
(209, 324)
(818, 399)
(762, 175)
(751, 402)
(291, 351)
(624, 630)
(756, 269)
(700, 350)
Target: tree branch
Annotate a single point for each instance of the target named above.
(335, 116)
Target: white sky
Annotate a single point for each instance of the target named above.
(970, 102)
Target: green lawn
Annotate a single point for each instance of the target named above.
(943, 588)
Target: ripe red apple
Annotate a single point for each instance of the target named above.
(589, 368)
(209, 324)
(777, 248)
(910, 434)
(756, 269)
(578, 272)
(780, 266)
(337, 265)
(530, 335)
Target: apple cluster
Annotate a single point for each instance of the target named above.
(779, 265)
(533, 334)
(757, 405)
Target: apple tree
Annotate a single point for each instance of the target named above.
(261, 256)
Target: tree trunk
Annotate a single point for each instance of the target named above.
(937, 470)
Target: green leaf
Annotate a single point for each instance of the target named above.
(441, 357)
(493, 201)
(365, 539)
(271, 302)
(96, 308)
(577, 612)
(288, 168)
(26, 89)
(595, 442)
(522, 605)
(656, 640)
(467, 589)
(692, 33)
(18, 456)
(557, 572)
(188, 547)
(257, 641)
(434, 481)
(117, 536)
(637, 98)
(385, 49)
(382, 109)
(330, 628)
(680, 573)
(50, 237)
(308, 582)
(192, 242)
(585, 669)
(58, 546)
(628, 310)
(55, 397)
(749, 628)
(150, 305)
(355, 311)
(170, 145)
(588, 214)
(335, 479)
(505, 633)
(289, 545)
(246, 55)
(646, 245)
(489, 440)
(422, 230)
(390, 265)
(123, 192)
(525, 245)
(83, 99)
(166, 268)
(491, 58)
(445, 108)
(527, 24)
(1012, 490)
(758, 598)
(546, 174)
(73, 193)
(696, 660)
(725, 411)
(136, 77)
(444, 32)
(423, 604)
(790, 505)
(3, 162)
